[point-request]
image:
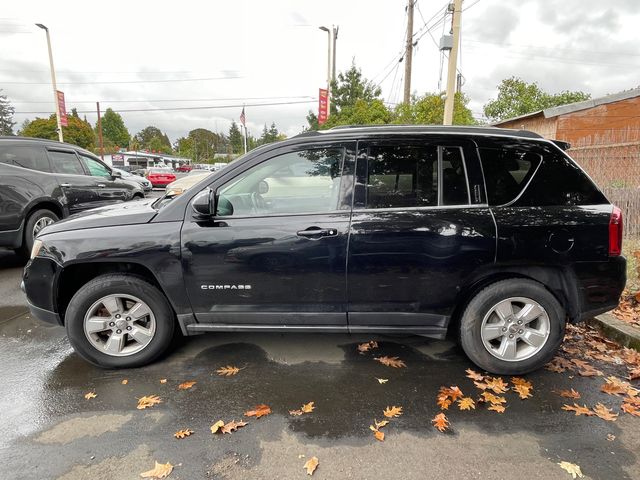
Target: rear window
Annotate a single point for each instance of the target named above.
(507, 172)
(33, 158)
(66, 162)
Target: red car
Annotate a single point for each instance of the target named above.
(184, 168)
(160, 177)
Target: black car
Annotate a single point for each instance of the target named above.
(42, 181)
(493, 235)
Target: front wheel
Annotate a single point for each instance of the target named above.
(512, 327)
(36, 222)
(117, 321)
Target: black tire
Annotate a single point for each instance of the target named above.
(120, 284)
(27, 241)
(485, 300)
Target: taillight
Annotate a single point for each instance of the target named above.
(615, 232)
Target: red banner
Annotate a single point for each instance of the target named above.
(62, 109)
(323, 106)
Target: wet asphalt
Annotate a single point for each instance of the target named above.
(50, 431)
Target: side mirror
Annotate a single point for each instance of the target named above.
(115, 174)
(204, 203)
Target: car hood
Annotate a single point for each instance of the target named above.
(129, 213)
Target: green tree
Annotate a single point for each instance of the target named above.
(269, 135)
(152, 138)
(350, 87)
(235, 139)
(429, 110)
(517, 97)
(78, 132)
(114, 130)
(6, 116)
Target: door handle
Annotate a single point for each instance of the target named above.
(315, 233)
(101, 185)
(65, 185)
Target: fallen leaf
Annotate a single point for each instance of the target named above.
(228, 371)
(521, 381)
(148, 401)
(259, 411)
(296, 413)
(572, 468)
(379, 425)
(523, 391)
(631, 409)
(611, 437)
(496, 384)
(615, 386)
(394, 362)
(183, 433)
(382, 380)
(163, 380)
(579, 410)
(493, 399)
(496, 408)
(307, 407)
(604, 413)
(441, 422)
(559, 365)
(569, 393)
(90, 395)
(365, 347)
(186, 385)
(311, 465)
(466, 403)
(473, 375)
(124, 382)
(161, 470)
(379, 435)
(391, 412)
(232, 426)
(443, 401)
(634, 373)
(586, 369)
(217, 426)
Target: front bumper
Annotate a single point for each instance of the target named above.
(41, 313)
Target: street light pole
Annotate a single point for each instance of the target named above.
(329, 35)
(53, 81)
(335, 43)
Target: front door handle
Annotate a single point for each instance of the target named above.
(65, 185)
(317, 232)
(101, 185)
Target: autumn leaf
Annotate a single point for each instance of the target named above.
(378, 435)
(380, 424)
(124, 382)
(232, 426)
(391, 412)
(186, 385)
(183, 433)
(585, 369)
(496, 408)
(473, 375)
(308, 407)
(579, 410)
(634, 373)
(394, 362)
(496, 384)
(217, 426)
(365, 347)
(163, 380)
(523, 391)
(569, 393)
(572, 468)
(559, 365)
(382, 380)
(493, 399)
(259, 411)
(311, 465)
(466, 403)
(148, 401)
(631, 409)
(228, 371)
(615, 386)
(521, 381)
(604, 413)
(611, 437)
(443, 401)
(161, 470)
(441, 422)
(296, 413)
(90, 395)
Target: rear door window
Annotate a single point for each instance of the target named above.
(25, 156)
(66, 162)
(95, 168)
(507, 172)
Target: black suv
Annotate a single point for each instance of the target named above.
(42, 181)
(494, 235)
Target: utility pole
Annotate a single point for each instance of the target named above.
(335, 42)
(453, 63)
(330, 34)
(408, 54)
(53, 81)
(100, 132)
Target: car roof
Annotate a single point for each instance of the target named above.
(45, 141)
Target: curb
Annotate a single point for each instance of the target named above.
(616, 330)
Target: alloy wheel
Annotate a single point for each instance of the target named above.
(40, 224)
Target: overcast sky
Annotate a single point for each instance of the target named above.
(251, 51)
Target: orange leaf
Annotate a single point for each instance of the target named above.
(496, 384)
(307, 407)
(496, 408)
(441, 422)
(227, 371)
(493, 399)
(124, 382)
(394, 362)
(186, 385)
(443, 402)
(523, 391)
(569, 393)
(466, 403)
(630, 409)
(521, 381)
(604, 413)
(183, 433)
(232, 426)
(161, 470)
(391, 412)
(579, 410)
(311, 465)
(148, 401)
(379, 435)
(365, 347)
(259, 411)
(473, 375)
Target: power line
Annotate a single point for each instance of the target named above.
(75, 102)
(127, 81)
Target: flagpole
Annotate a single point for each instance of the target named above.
(245, 139)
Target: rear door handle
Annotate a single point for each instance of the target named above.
(101, 185)
(317, 232)
(65, 185)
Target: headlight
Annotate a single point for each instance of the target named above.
(174, 191)
(37, 245)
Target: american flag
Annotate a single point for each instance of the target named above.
(243, 118)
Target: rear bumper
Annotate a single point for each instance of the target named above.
(600, 285)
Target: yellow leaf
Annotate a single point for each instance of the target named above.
(90, 395)
(124, 382)
(604, 413)
(161, 470)
(466, 403)
(394, 362)
(258, 411)
(493, 399)
(227, 371)
(521, 381)
(217, 426)
(496, 384)
(183, 433)
(572, 468)
(496, 408)
(307, 407)
(311, 465)
(382, 380)
(296, 413)
(186, 385)
(163, 380)
(391, 412)
(473, 375)
(441, 422)
(148, 401)
(381, 424)
(523, 391)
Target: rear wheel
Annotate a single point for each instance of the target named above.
(35, 223)
(512, 327)
(119, 321)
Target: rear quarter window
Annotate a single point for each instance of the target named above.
(507, 172)
(25, 156)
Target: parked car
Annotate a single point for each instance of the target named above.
(184, 168)
(495, 236)
(144, 183)
(42, 181)
(183, 184)
(140, 172)
(160, 177)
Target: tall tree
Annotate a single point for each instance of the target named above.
(235, 139)
(429, 110)
(78, 132)
(6, 116)
(114, 129)
(152, 138)
(517, 97)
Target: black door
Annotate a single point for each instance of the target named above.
(276, 251)
(107, 189)
(420, 227)
(78, 187)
